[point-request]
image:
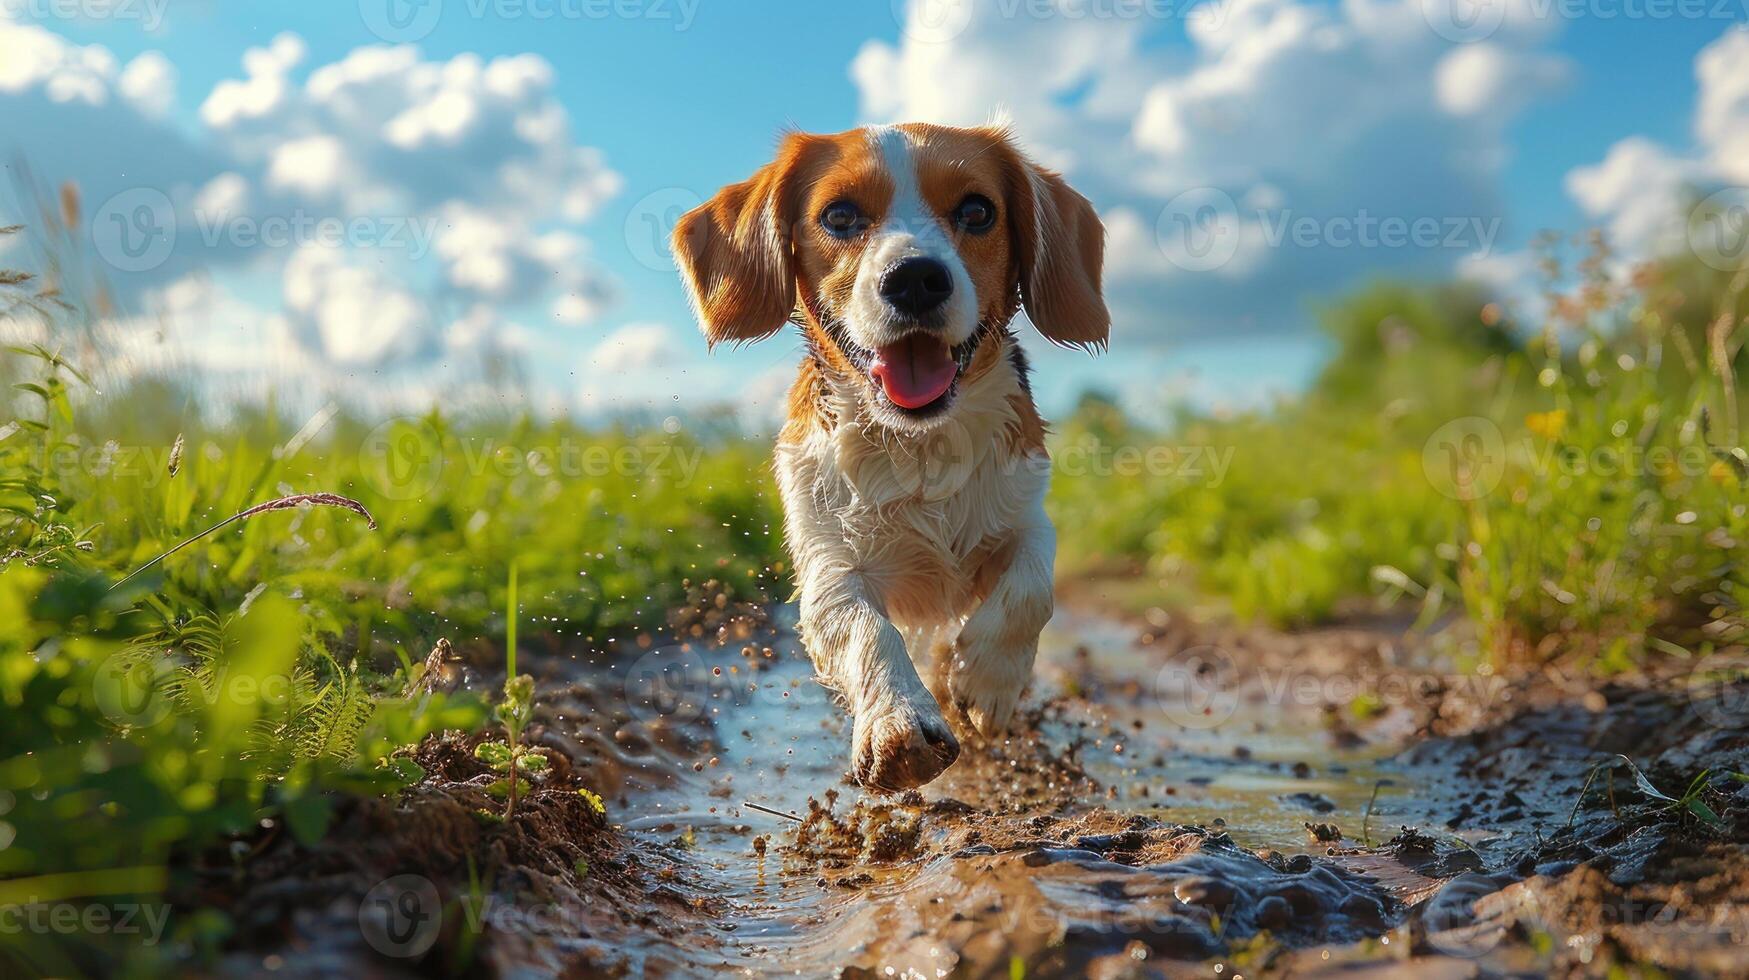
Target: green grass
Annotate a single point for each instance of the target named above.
(1574, 488)
(168, 690)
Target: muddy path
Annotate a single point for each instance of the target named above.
(1178, 800)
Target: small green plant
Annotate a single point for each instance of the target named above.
(513, 713)
(1689, 802)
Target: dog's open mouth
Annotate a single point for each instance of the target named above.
(918, 372)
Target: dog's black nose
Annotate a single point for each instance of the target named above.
(917, 285)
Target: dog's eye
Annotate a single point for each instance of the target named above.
(975, 214)
(843, 219)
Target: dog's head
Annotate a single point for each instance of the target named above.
(906, 247)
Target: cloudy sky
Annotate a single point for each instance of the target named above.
(378, 195)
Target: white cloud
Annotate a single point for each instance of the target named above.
(1638, 190)
(149, 82)
(265, 89)
(1480, 78)
(1280, 110)
(478, 154)
(31, 58)
(313, 165)
(349, 311)
(420, 134)
(1721, 121)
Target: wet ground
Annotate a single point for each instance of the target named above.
(1177, 800)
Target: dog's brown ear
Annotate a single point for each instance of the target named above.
(735, 256)
(1060, 247)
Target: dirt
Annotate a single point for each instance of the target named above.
(1177, 799)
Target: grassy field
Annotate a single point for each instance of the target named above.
(164, 690)
(1571, 489)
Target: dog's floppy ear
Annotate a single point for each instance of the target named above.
(1060, 247)
(735, 256)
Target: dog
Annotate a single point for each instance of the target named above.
(912, 463)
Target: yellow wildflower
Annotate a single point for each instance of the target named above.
(1549, 425)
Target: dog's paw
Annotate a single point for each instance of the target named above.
(988, 707)
(901, 748)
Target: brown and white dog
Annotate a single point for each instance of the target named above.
(912, 465)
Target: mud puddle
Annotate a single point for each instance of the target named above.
(1144, 810)
(1175, 800)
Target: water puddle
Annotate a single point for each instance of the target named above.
(1123, 823)
(1158, 808)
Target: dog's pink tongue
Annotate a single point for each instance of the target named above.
(915, 371)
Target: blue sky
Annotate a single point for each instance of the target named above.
(1276, 110)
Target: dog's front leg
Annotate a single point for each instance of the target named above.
(901, 740)
(992, 659)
